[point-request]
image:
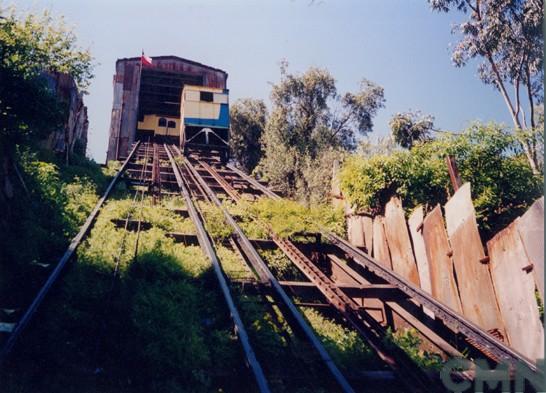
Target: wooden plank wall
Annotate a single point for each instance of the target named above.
(447, 259)
(396, 230)
(380, 246)
(415, 224)
(474, 280)
(444, 287)
(515, 286)
(531, 231)
(367, 223)
(355, 231)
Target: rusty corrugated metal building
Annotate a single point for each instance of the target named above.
(141, 90)
(72, 137)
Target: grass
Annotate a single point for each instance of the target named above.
(160, 326)
(346, 346)
(232, 264)
(50, 204)
(215, 222)
(287, 218)
(409, 341)
(281, 267)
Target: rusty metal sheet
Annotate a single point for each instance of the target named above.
(211, 77)
(475, 285)
(531, 231)
(415, 224)
(442, 279)
(380, 246)
(355, 231)
(515, 288)
(367, 223)
(115, 121)
(118, 95)
(128, 80)
(396, 231)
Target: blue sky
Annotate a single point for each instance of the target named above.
(399, 44)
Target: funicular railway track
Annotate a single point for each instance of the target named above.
(412, 377)
(448, 331)
(153, 171)
(350, 279)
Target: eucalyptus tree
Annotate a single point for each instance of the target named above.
(248, 117)
(407, 128)
(507, 37)
(310, 126)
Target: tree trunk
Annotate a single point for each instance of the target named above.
(530, 157)
(517, 123)
(530, 95)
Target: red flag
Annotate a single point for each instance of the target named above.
(146, 60)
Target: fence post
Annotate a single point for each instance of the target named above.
(453, 173)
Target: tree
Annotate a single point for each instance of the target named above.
(310, 125)
(507, 36)
(29, 46)
(410, 127)
(248, 118)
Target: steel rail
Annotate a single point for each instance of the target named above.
(302, 323)
(209, 250)
(484, 342)
(44, 290)
(372, 332)
(117, 258)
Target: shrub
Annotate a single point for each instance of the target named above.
(282, 267)
(232, 264)
(346, 347)
(488, 156)
(215, 222)
(409, 341)
(287, 218)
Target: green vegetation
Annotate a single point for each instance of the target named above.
(42, 200)
(160, 326)
(311, 126)
(408, 339)
(346, 346)
(215, 222)
(53, 200)
(232, 264)
(410, 127)
(287, 218)
(488, 156)
(159, 215)
(29, 111)
(247, 121)
(281, 266)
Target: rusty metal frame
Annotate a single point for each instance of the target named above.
(259, 264)
(481, 340)
(359, 319)
(209, 250)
